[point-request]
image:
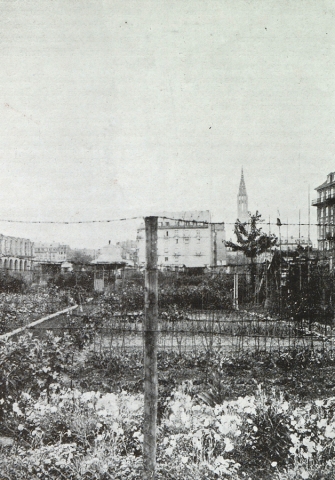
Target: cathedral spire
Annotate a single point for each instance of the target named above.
(242, 200)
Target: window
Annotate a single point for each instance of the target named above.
(167, 223)
(198, 240)
(166, 250)
(167, 234)
(186, 240)
(166, 259)
(176, 240)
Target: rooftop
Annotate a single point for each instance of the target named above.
(330, 181)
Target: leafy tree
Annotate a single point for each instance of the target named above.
(252, 241)
(79, 258)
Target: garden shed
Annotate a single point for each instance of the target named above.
(108, 269)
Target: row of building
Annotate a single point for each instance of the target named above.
(185, 239)
(21, 254)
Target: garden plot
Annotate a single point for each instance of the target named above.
(18, 310)
(195, 331)
(220, 423)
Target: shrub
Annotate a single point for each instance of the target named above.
(11, 284)
(73, 280)
(31, 365)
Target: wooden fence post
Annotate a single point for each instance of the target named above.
(150, 350)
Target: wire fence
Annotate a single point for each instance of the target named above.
(219, 300)
(208, 312)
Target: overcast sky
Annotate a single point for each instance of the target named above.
(120, 108)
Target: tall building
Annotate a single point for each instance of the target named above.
(51, 252)
(242, 201)
(186, 239)
(325, 203)
(16, 253)
(129, 251)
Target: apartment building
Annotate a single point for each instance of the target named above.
(325, 204)
(186, 239)
(16, 254)
(51, 252)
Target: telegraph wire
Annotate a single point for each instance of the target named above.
(183, 220)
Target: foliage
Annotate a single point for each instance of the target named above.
(82, 328)
(75, 435)
(77, 257)
(19, 309)
(60, 432)
(73, 280)
(251, 241)
(10, 284)
(212, 292)
(31, 365)
(308, 293)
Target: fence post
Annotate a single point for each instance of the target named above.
(150, 350)
(236, 290)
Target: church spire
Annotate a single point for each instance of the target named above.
(242, 200)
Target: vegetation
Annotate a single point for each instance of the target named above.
(10, 284)
(216, 419)
(252, 241)
(68, 410)
(71, 280)
(17, 309)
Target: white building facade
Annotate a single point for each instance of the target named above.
(51, 252)
(16, 254)
(186, 239)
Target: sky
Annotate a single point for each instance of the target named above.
(114, 108)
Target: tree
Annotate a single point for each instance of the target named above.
(79, 257)
(252, 241)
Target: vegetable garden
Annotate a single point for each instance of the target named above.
(242, 395)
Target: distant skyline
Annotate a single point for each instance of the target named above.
(113, 109)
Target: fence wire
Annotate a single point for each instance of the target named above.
(198, 313)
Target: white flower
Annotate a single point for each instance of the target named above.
(16, 409)
(229, 445)
(329, 431)
(309, 444)
(169, 451)
(294, 438)
(322, 423)
(108, 403)
(134, 405)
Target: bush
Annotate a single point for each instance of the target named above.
(73, 280)
(31, 365)
(9, 284)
